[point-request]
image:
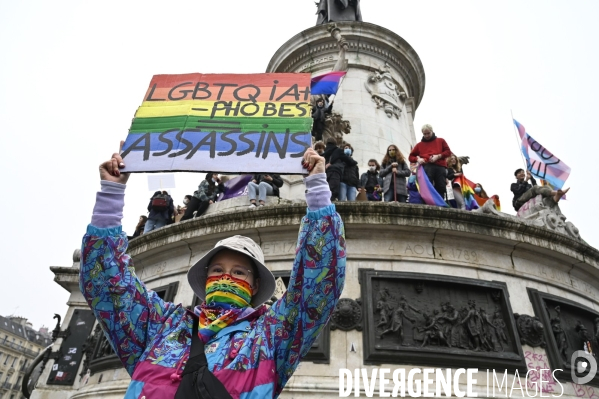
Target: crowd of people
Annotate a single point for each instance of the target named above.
(393, 180)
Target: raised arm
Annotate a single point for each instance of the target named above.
(317, 277)
(127, 312)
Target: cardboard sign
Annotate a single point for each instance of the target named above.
(256, 123)
(161, 181)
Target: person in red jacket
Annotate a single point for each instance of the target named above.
(431, 153)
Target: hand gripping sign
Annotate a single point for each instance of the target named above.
(221, 123)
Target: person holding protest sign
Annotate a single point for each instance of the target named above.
(263, 185)
(232, 345)
(206, 194)
(161, 208)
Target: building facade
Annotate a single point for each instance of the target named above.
(20, 344)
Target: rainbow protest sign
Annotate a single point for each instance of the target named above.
(223, 123)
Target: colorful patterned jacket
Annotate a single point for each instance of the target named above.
(253, 358)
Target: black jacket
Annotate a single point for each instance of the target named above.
(319, 115)
(351, 175)
(276, 182)
(333, 155)
(520, 188)
(369, 180)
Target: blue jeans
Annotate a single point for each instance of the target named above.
(153, 224)
(262, 190)
(347, 193)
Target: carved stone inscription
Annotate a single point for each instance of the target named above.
(570, 327)
(273, 248)
(426, 319)
(414, 249)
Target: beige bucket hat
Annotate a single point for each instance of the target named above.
(197, 274)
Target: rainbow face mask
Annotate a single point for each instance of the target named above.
(228, 290)
(227, 298)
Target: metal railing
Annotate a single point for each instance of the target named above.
(19, 348)
(25, 388)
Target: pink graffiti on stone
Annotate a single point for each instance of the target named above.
(538, 362)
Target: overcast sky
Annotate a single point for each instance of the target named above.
(72, 74)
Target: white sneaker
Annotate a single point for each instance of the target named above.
(252, 205)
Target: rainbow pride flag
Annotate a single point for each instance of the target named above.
(240, 123)
(427, 191)
(467, 192)
(327, 83)
(481, 201)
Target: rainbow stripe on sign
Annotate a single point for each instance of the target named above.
(221, 122)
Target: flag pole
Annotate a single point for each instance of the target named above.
(518, 144)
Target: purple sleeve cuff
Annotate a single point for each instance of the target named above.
(110, 201)
(318, 194)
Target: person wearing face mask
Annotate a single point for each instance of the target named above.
(480, 191)
(336, 161)
(206, 194)
(180, 211)
(232, 345)
(370, 181)
(319, 116)
(348, 188)
(431, 153)
(394, 171)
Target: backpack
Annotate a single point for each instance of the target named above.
(159, 202)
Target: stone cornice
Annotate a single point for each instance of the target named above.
(316, 45)
(382, 217)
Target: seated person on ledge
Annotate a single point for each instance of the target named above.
(524, 191)
(263, 185)
(251, 350)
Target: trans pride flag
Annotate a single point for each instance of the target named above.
(429, 195)
(540, 162)
(327, 83)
